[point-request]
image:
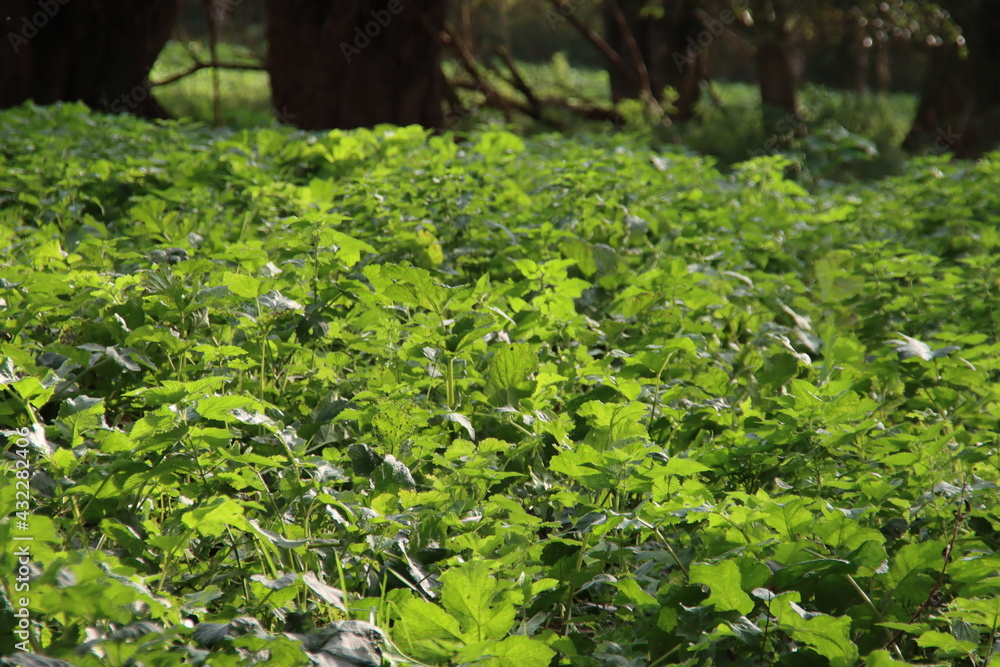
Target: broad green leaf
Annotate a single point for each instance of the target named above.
(912, 569)
(391, 475)
(882, 658)
(428, 631)
(348, 249)
(221, 407)
(945, 643)
(213, 516)
(332, 596)
(409, 285)
(462, 421)
(684, 467)
(246, 286)
(630, 592)
(508, 372)
(472, 595)
(829, 636)
(723, 581)
(513, 651)
(614, 424)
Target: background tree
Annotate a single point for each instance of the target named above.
(99, 53)
(655, 43)
(981, 131)
(349, 64)
(771, 25)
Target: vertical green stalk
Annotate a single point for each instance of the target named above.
(450, 383)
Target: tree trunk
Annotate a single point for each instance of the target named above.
(982, 131)
(355, 63)
(883, 69)
(671, 47)
(465, 12)
(945, 101)
(856, 52)
(99, 53)
(775, 68)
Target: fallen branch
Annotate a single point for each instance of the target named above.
(587, 112)
(613, 56)
(200, 66)
(493, 96)
(518, 81)
(640, 64)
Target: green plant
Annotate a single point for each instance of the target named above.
(506, 401)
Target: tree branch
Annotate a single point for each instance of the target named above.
(518, 81)
(613, 56)
(469, 64)
(200, 66)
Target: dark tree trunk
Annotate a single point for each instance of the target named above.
(945, 102)
(883, 70)
(982, 131)
(857, 54)
(669, 47)
(354, 63)
(775, 68)
(99, 53)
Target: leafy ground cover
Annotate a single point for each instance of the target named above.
(505, 401)
(849, 135)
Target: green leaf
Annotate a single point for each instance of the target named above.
(246, 286)
(684, 467)
(508, 372)
(471, 594)
(329, 594)
(409, 286)
(221, 407)
(882, 658)
(723, 580)
(428, 631)
(348, 249)
(514, 651)
(945, 643)
(630, 592)
(794, 575)
(829, 636)
(614, 424)
(213, 516)
(391, 476)
(910, 570)
(462, 421)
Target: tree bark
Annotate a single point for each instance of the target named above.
(355, 63)
(856, 53)
(883, 69)
(775, 67)
(97, 53)
(982, 131)
(946, 99)
(669, 47)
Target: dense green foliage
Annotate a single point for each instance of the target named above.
(516, 402)
(845, 135)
